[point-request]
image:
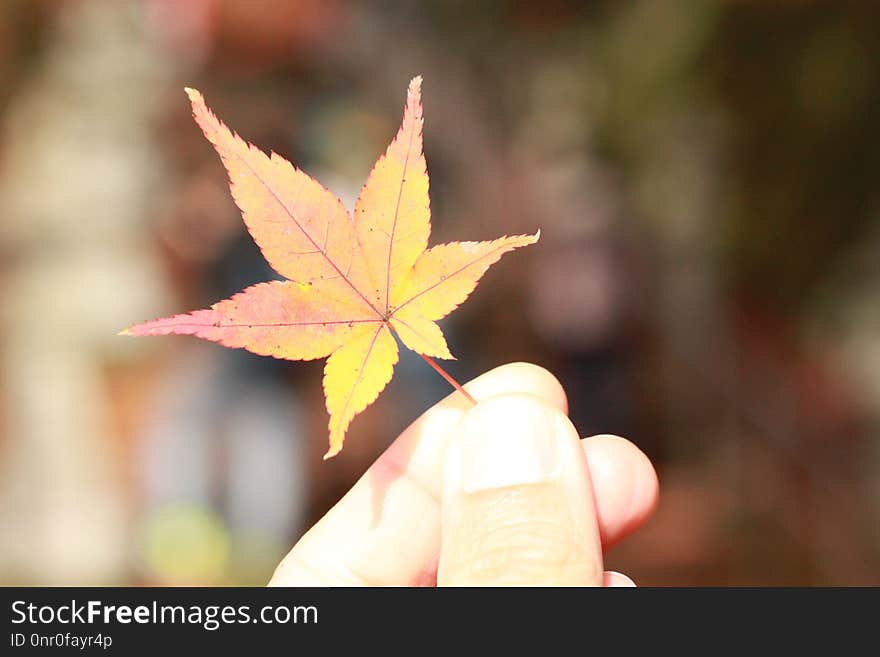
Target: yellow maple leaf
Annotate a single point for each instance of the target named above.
(353, 285)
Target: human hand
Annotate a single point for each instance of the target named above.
(501, 493)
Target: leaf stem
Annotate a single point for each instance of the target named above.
(455, 384)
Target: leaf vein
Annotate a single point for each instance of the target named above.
(394, 223)
(304, 232)
(448, 276)
(360, 375)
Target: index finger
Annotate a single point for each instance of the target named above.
(386, 530)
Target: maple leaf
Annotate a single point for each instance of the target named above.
(354, 283)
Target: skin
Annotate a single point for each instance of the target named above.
(501, 493)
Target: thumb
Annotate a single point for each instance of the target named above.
(517, 506)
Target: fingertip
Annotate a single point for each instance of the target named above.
(509, 411)
(520, 376)
(517, 505)
(613, 579)
(625, 483)
(421, 449)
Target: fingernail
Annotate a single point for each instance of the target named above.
(506, 442)
(613, 579)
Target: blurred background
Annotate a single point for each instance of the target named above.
(705, 176)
